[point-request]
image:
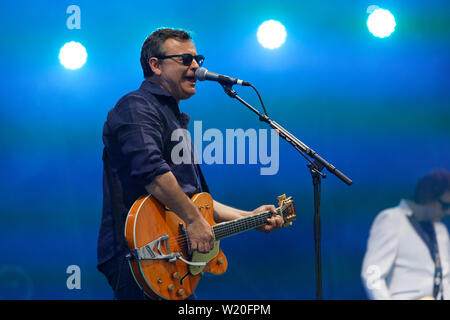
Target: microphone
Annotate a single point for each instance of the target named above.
(203, 74)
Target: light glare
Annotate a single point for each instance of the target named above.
(271, 34)
(72, 55)
(381, 23)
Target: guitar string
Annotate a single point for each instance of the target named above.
(220, 233)
(223, 230)
(230, 227)
(234, 224)
(227, 231)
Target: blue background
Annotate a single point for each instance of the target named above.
(377, 109)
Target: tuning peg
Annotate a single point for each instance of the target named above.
(287, 224)
(281, 199)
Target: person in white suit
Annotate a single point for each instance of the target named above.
(408, 250)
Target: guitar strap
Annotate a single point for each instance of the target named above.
(119, 214)
(203, 183)
(427, 233)
(117, 203)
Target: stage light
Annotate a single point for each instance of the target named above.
(381, 23)
(271, 34)
(72, 55)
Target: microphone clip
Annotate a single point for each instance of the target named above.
(228, 88)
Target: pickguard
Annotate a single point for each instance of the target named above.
(203, 257)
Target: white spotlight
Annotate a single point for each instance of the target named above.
(72, 55)
(271, 34)
(381, 23)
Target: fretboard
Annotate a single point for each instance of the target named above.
(230, 228)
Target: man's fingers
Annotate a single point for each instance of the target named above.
(204, 247)
(192, 246)
(278, 221)
(274, 222)
(272, 209)
(201, 246)
(200, 235)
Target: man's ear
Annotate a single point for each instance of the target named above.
(155, 65)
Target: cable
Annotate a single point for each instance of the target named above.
(259, 96)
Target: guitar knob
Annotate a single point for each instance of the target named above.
(171, 287)
(180, 292)
(176, 275)
(221, 260)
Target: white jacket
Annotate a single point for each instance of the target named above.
(397, 263)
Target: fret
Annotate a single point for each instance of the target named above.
(229, 228)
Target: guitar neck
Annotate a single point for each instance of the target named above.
(230, 228)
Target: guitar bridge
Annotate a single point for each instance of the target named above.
(147, 252)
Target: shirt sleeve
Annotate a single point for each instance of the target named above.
(380, 255)
(138, 127)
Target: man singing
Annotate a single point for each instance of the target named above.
(138, 145)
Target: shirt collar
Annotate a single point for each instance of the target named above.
(157, 90)
(154, 89)
(404, 205)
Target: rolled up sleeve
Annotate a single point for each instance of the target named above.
(138, 128)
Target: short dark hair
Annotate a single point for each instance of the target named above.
(153, 45)
(432, 186)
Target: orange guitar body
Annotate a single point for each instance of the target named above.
(148, 220)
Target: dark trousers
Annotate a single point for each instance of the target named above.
(119, 276)
(118, 273)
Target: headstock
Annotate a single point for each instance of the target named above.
(286, 209)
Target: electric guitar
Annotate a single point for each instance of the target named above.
(160, 259)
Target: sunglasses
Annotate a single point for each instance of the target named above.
(445, 205)
(187, 58)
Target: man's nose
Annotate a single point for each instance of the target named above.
(194, 65)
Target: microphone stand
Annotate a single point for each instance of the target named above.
(316, 165)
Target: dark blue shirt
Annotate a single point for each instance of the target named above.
(137, 138)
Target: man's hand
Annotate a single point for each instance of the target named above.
(200, 235)
(166, 189)
(274, 222)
